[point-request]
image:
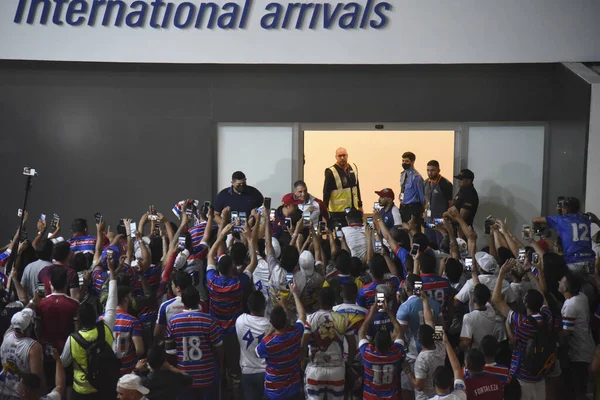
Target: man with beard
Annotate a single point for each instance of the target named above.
(238, 197)
(438, 198)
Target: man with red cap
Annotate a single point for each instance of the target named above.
(390, 214)
(286, 215)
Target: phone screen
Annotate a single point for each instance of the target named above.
(43, 217)
(418, 288)
(370, 221)
(41, 289)
(133, 228)
(289, 278)
(322, 226)
(348, 209)
(526, 232)
(377, 206)
(97, 216)
(521, 255)
(288, 222)
(272, 215)
(306, 217)
(438, 221)
(377, 246)
(438, 333)
(243, 219)
(338, 232)
(54, 222)
(181, 242)
(469, 264)
(380, 299)
(267, 202)
(415, 249)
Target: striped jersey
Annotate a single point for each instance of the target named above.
(498, 370)
(194, 333)
(152, 275)
(83, 244)
(226, 295)
(282, 352)
(4, 256)
(524, 331)
(126, 328)
(439, 289)
(381, 371)
(366, 294)
(199, 250)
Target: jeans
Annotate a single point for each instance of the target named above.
(254, 386)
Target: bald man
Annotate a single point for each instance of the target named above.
(341, 189)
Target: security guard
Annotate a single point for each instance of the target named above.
(341, 189)
(412, 191)
(467, 199)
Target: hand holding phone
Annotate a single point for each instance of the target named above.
(267, 203)
(380, 301)
(414, 251)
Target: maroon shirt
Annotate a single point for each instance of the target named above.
(484, 387)
(46, 273)
(57, 312)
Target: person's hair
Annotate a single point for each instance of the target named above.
(122, 293)
(61, 251)
(190, 298)
(410, 155)
(481, 294)
(503, 254)
(256, 302)
(409, 283)
(299, 183)
(382, 341)
(454, 270)
(485, 249)
(356, 267)
(512, 390)
(182, 280)
(156, 357)
(87, 315)
(555, 269)
(428, 262)
(289, 258)
(573, 283)
(278, 318)
(401, 236)
(58, 278)
(349, 291)
(327, 297)
(238, 253)
(425, 336)
(342, 262)
(534, 301)
(572, 205)
(31, 381)
(443, 378)
(475, 360)
(156, 250)
(79, 225)
(79, 262)
(422, 240)
(378, 267)
(354, 217)
(489, 346)
(43, 250)
(238, 176)
(225, 265)
(433, 163)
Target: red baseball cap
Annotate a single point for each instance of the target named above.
(290, 199)
(387, 192)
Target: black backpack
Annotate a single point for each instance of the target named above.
(540, 351)
(103, 366)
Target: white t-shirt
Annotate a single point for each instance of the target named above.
(478, 324)
(521, 288)
(425, 365)
(576, 319)
(250, 330)
(356, 240)
(327, 329)
(261, 276)
(466, 293)
(458, 393)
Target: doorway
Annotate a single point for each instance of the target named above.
(377, 155)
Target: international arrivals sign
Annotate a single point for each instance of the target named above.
(294, 31)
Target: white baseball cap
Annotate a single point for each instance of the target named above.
(486, 262)
(22, 319)
(132, 382)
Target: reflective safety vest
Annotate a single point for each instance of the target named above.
(80, 382)
(342, 198)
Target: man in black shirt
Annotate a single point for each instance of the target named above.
(466, 200)
(438, 198)
(162, 379)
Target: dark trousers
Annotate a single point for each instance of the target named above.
(254, 386)
(337, 218)
(412, 210)
(232, 362)
(576, 378)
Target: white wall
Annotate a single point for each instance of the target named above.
(592, 185)
(418, 31)
(508, 165)
(263, 153)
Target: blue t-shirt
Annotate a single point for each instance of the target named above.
(575, 232)
(411, 313)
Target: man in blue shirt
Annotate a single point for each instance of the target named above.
(574, 230)
(390, 215)
(412, 191)
(239, 197)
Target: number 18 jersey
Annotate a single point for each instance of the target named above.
(381, 370)
(194, 332)
(250, 330)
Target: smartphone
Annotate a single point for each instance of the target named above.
(438, 333)
(121, 228)
(80, 276)
(243, 220)
(338, 231)
(377, 206)
(289, 278)
(559, 200)
(418, 288)
(19, 213)
(132, 229)
(380, 299)
(43, 217)
(97, 216)
(526, 232)
(377, 246)
(415, 249)
(521, 256)
(438, 221)
(489, 221)
(54, 222)
(535, 258)
(306, 218)
(109, 254)
(288, 223)
(181, 242)
(370, 222)
(190, 209)
(206, 208)
(267, 203)
(272, 215)
(430, 225)
(322, 226)
(469, 264)
(156, 229)
(41, 289)
(347, 209)
(152, 213)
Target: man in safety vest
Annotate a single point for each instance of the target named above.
(341, 189)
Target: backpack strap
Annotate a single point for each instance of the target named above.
(100, 327)
(81, 341)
